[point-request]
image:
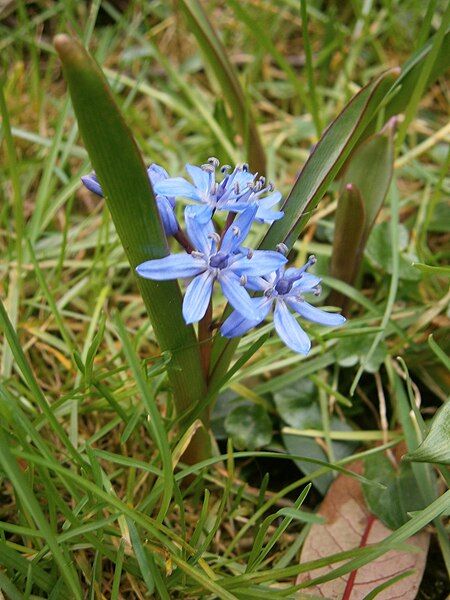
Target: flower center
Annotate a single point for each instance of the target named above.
(219, 260)
(283, 286)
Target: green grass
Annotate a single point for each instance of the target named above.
(94, 499)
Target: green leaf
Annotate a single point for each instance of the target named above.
(310, 449)
(401, 496)
(249, 427)
(365, 185)
(326, 159)
(441, 354)
(216, 55)
(432, 269)
(291, 401)
(435, 448)
(122, 174)
(353, 350)
(348, 235)
(299, 408)
(379, 252)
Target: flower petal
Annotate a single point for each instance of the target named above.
(201, 178)
(238, 230)
(156, 173)
(306, 283)
(203, 212)
(258, 284)
(237, 295)
(314, 314)
(197, 230)
(176, 186)
(289, 330)
(268, 216)
(171, 267)
(261, 262)
(236, 324)
(270, 200)
(167, 215)
(197, 297)
(91, 183)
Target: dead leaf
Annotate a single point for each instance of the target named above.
(349, 524)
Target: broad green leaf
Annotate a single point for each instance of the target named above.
(379, 252)
(122, 174)
(216, 55)
(401, 496)
(353, 350)
(298, 406)
(249, 426)
(435, 448)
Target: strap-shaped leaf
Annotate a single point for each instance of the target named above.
(216, 56)
(348, 234)
(326, 159)
(365, 184)
(122, 174)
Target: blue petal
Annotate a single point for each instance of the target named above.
(203, 213)
(268, 216)
(242, 178)
(91, 183)
(171, 267)
(202, 179)
(289, 330)
(198, 231)
(262, 262)
(238, 230)
(258, 283)
(232, 205)
(167, 215)
(306, 283)
(236, 295)
(236, 324)
(314, 314)
(156, 173)
(197, 297)
(270, 200)
(176, 186)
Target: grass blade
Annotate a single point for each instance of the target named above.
(216, 55)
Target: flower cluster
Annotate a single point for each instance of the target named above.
(211, 255)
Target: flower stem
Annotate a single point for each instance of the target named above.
(183, 240)
(204, 340)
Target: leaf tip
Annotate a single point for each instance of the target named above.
(62, 42)
(68, 48)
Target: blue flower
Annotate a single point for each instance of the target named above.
(165, 204)
(235, 193)
(285, 289)
(215, 259)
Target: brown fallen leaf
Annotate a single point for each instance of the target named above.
(349, 524)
